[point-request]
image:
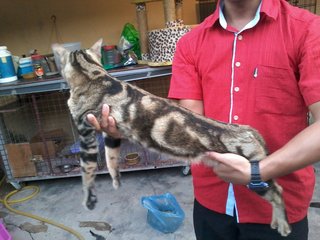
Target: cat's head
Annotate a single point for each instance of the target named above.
(77, 66)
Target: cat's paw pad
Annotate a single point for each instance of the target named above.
(282, 226)
(116, 184)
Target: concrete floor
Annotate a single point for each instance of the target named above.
(120, 211)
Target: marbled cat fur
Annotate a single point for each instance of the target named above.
(153, 122)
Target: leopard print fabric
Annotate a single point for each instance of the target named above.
(162, 42)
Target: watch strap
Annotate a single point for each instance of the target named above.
(255, 172)
(256, 184)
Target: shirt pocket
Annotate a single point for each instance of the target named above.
(277, 91)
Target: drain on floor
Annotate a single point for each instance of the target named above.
(31, 228)
(100, 226)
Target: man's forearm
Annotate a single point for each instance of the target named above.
(301, 151)
(193, 105)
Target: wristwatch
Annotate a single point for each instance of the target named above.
(256, 184)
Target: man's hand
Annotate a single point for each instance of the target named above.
(231, 167)
(107, 124)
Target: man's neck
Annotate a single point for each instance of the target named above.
(239, 13)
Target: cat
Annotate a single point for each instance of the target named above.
(155, 123)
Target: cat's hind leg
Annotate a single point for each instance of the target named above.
(112, 152)
(279, 216)
(88, 161)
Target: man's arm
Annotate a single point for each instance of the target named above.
(299, 152)
(193, 105)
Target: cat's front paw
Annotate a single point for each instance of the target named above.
(90, 201)
(115, 179)
(116, 183)
(282, 226)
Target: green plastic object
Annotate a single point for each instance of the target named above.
(130, 40)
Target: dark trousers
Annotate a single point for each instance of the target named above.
(210, 225)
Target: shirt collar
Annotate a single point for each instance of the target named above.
(269, 7)
(251, 24)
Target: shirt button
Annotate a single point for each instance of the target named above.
(240, 37)
(236, 89)
(236, 117)
(238, 64)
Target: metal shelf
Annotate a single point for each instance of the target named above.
(131, 73)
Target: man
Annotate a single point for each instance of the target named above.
(256, 63)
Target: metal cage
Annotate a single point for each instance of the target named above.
(38, 139)
(310, 5)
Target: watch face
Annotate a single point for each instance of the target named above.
(260, 187)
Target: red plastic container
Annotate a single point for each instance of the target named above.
(4, 235)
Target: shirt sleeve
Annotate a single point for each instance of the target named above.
(309, 66)
(185, 82)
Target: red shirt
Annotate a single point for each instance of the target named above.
(265, 77)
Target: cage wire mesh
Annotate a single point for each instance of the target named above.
(157, 86)
(39, 138)
(36, 128)
(204, 8)
(310, 5)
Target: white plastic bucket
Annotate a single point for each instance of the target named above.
(7, 70)
(72, 46)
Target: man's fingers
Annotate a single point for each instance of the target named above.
(93, 121)
(105, 117)
(107, 123)
(111, 122)
(112, 127)
(105, 110)
(215, 156)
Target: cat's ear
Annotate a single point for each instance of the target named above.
(96, 48)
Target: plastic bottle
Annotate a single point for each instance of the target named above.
(37, 66)
(7, 70)
(108, 53)
(110, 56)
(25, 67)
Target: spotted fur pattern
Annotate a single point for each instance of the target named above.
(153, 122)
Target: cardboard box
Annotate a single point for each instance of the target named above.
(22, 156)
(39, 149)
(53, 141)
(19, 156)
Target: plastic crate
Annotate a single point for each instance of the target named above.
(4, 234)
